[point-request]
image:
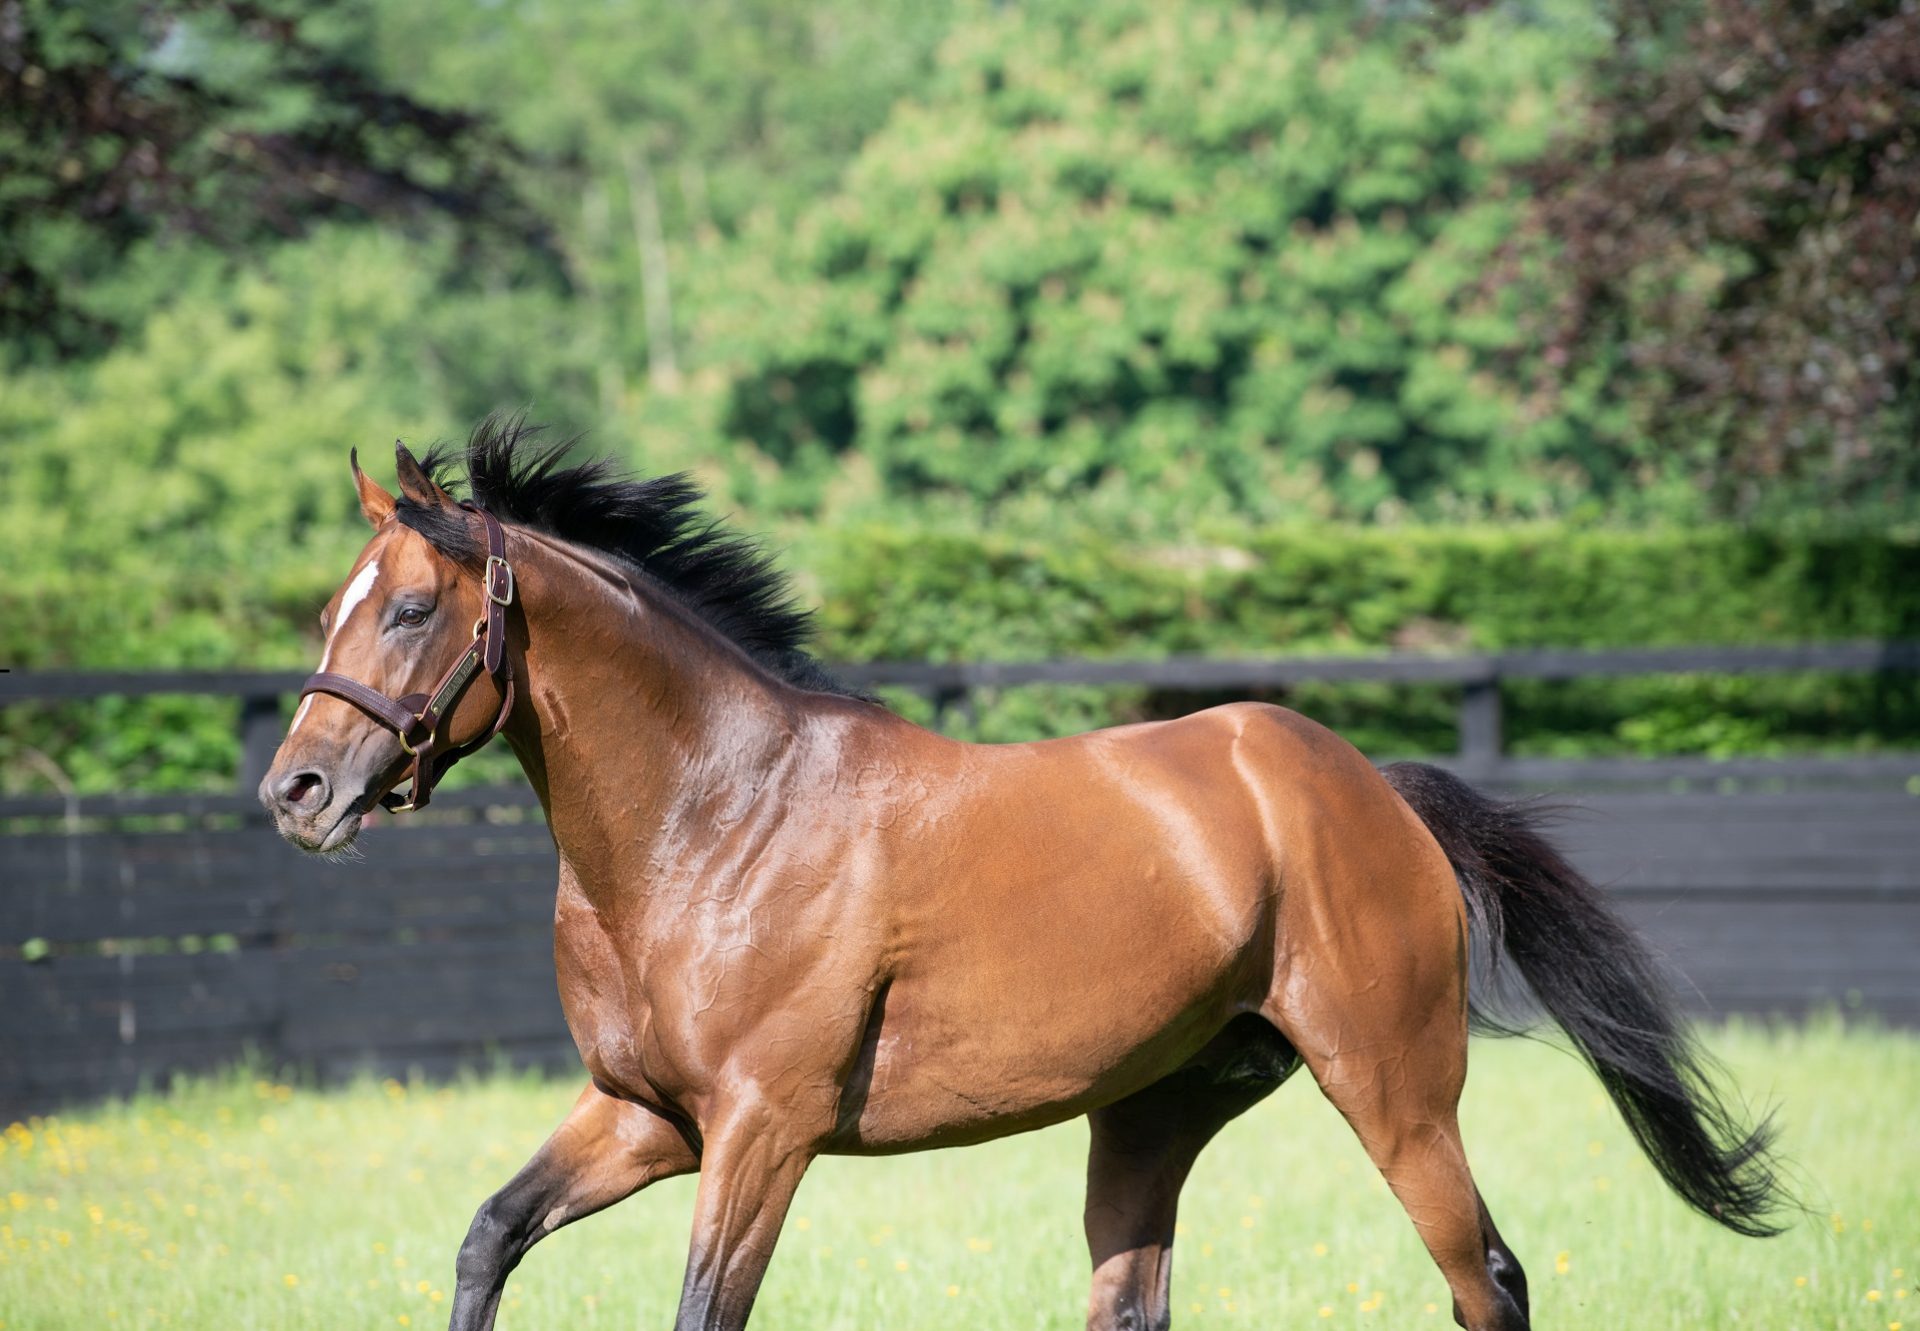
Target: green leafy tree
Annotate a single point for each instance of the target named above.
(658, 127)
(1198, 256)
(231, 121)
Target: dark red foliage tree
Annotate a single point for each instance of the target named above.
(1738, 223)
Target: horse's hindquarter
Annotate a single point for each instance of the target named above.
(1069, 921)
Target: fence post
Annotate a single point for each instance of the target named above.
(1480, 741)
(259, 738)
(946, 699)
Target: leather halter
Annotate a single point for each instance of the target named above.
(416, 718)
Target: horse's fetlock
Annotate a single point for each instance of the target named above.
(1505, 1270)
(1131, 1315)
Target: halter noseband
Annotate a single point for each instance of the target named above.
(416, 718)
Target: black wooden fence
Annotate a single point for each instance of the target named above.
(144, 935)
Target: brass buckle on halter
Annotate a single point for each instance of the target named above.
(496, 562)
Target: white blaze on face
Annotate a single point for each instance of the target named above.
(356, 592)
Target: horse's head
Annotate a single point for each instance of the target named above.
(401, 622)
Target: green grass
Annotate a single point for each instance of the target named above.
(241, 1203)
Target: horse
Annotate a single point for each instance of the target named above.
(790, 923)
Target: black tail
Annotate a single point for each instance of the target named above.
(1596, 979)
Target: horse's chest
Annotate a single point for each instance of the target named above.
(609, 1010)
(594, 995)
(648, 1023)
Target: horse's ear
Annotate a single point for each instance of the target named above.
(375, 503)
(415, 484)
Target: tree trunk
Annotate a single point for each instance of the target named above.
(663, 366)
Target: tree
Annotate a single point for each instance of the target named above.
(1190, 256)
(1738, 225)
(230, 121)
(661, 126)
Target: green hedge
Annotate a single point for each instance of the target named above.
(893, 592)
(900, 592)
(896, 592)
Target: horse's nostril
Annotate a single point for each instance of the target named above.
(303, 788)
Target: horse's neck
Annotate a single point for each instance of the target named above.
(640, 721)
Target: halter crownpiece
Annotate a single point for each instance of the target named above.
(416, 718)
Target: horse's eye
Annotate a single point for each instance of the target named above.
(411, 616)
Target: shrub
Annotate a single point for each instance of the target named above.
(891, 591)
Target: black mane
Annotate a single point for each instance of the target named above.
(655, 526)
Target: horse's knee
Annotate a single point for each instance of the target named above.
(490, 1249)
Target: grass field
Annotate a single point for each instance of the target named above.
(246, 1203)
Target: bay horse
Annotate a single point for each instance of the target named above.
(791, 923)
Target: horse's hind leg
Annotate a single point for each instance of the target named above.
(1142, 1149)
(1398, 1083)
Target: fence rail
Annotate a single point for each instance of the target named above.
(141, 935)
(1479, 676)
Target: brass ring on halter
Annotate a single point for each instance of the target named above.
(413, 752)
(479, 626)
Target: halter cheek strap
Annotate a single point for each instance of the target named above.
(416, 718)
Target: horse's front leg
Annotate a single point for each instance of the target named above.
(605, 1150)
(752, 1163)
